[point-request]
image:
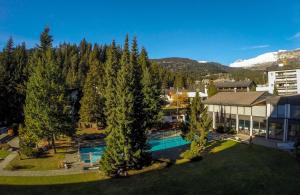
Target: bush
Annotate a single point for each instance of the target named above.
(190, 155)
(230, 130)
(4, 147)
(220, 129)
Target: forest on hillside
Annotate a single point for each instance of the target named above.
(192, 70)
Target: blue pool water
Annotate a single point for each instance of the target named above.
(95, 153)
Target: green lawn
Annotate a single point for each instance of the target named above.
(230, 168)
(3, 154)
(47, 162)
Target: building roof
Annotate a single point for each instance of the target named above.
(233, 84)
(292, 99)
(238, 98)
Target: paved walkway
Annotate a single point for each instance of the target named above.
(7, 160)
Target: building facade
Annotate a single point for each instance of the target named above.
(235, 86)
(257, 114)
(287, 82)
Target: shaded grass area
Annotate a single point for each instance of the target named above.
(3, 154)
(229, 168)
(45, 162)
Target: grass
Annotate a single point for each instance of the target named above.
(47, 162)
(88, 131)
(3, 154)
(229, 168)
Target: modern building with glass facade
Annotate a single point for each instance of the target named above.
(257, 114)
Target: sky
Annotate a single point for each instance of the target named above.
(210, 30)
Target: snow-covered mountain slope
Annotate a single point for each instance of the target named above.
(269, 57)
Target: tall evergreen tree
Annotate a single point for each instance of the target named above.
(83, 66)
(45, 40)
(111, 71)
(138, 136)
(92, 102)
(118, 152)
(151, 89)
(199, 124)
(126, 141)
(212, 89)
(47, 112)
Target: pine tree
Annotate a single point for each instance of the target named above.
(212, 89)
(83, 66)
(126, 141)
(45, 40)
(92, 102)
(199, 123)
(138, 136)
(47, 109)
(118, 153)
(111, 71)
(151, 89)
(6, 87)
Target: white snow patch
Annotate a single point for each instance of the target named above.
(202, 61)
(264, 58)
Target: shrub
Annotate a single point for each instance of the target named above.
(4, 146)
(220, 129)
(230, 130)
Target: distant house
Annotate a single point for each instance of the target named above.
(257, 114)
(171, 94)
(233, 86)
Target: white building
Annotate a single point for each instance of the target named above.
(287, 82)
(257, 114)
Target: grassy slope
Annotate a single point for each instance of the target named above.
(229, 169)
(4, 153)
(48, 162)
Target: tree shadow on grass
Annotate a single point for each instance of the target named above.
(19, 167)
(217, 169)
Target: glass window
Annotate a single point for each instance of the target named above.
(280, 111)
(273, 111)
(276, 130)
(241, 124)
(295, 112)
(293, 131)
(247, 124)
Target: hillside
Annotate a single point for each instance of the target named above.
(210, 70)
(191, 67)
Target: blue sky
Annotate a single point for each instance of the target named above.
(213, 30)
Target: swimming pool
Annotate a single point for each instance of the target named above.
(95, 153)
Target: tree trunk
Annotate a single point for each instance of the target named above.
(53, 144)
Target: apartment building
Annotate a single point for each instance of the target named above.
(287, 82)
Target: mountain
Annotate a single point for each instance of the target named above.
(270, 59)
(266, 58)
(191, 67)
(198, 70)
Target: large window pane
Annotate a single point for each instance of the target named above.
(276, 130)
(273, 111)
(295, 112)
(293, 131)
(280, 111)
